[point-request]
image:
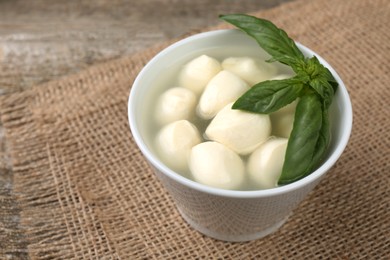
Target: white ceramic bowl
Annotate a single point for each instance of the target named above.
(226, 214)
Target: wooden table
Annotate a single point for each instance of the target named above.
(44, 40)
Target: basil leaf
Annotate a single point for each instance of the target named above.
(323, 88)
(271, 95)
(322, 142)
(329, 77)
(314, 84)
(322, 79)
(320, 70)
(303, 139)
(273, 40)
(318, 79)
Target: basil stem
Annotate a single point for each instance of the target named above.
(303, 139)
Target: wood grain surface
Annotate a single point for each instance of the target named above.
(43, 40)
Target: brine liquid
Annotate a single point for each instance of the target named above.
(169, 78)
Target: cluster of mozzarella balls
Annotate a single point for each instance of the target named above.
(236, 146)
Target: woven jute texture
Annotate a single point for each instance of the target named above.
(84, 190)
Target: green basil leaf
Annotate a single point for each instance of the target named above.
(322, 142)
(324, 89)
(272, 39)
(303, 139)
(319, 77)
(329, 77)
(319, 72)
(314, 84)
(271, 95)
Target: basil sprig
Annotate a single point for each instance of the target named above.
(313, 84)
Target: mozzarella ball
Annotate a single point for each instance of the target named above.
(282, 125)
(281, 76)
(215, 165)
(266, 162)
(222, 89)
(241, 131)
(251, 70)
(174, 143)
(288, 109)
(197, 73)
(175, 104)
(283, 120)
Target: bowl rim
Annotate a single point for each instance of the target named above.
(152, 159)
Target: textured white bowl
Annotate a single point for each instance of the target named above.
(225, 214)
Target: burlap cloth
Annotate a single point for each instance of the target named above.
(84, 191)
